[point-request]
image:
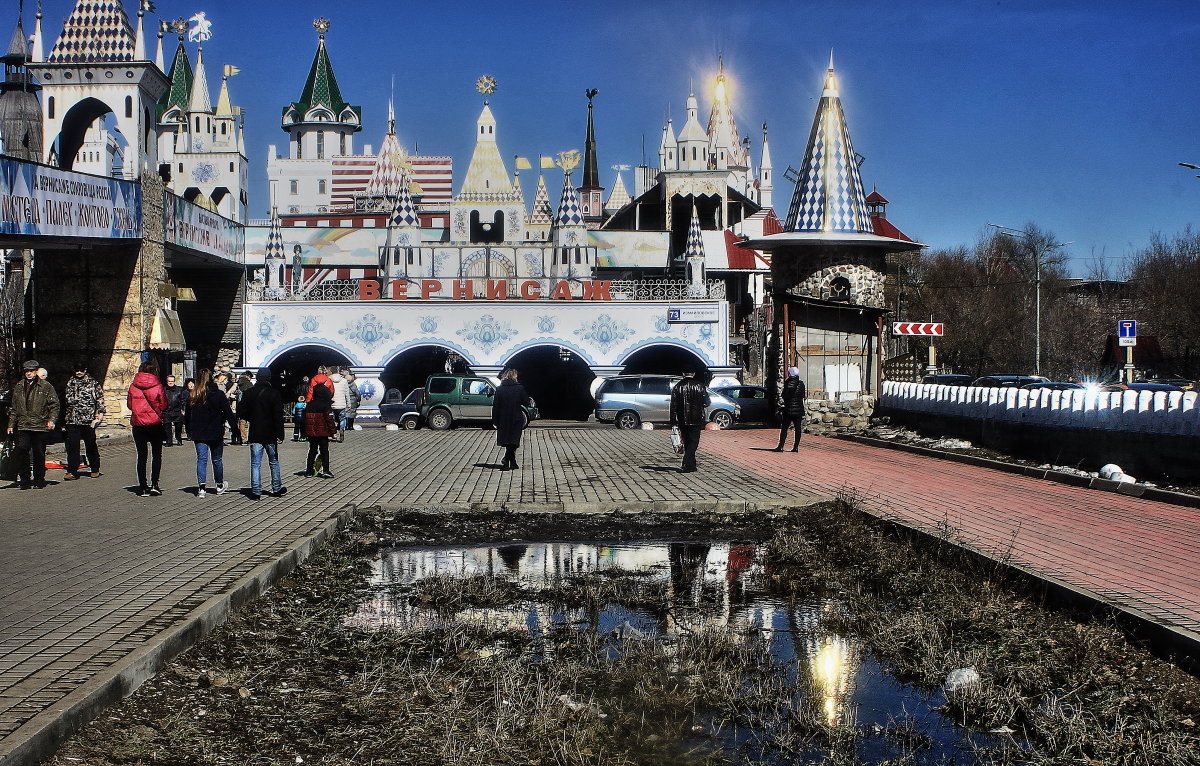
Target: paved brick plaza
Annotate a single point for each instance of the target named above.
(90, 574)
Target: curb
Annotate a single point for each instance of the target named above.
(1104, 485)
(41, 736)
(771, 505)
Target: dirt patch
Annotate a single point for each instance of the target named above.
(287, 681)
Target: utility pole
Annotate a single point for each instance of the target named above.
(1039, 249)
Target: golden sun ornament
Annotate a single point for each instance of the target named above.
(486, 85)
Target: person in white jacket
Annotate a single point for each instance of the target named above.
(341, 402)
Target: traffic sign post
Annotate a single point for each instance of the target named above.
(927, 329)
(1127, 337)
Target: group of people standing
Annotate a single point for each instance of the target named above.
(208, 407)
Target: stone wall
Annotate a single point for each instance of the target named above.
(809, 272)
(826, 418)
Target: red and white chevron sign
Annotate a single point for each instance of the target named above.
(916, 328)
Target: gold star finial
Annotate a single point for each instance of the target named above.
(486, 85)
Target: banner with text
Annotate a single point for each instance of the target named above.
(191, 226)
(42, 201)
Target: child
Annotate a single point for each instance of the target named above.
(319, 425)
(298, 419)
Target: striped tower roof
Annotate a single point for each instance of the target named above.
(404, 212)
(96, 30)
(389, 164)
(487, 177)
(619, 197)
(695, 240)
(829, 193)
(569, 212)
(542, 211)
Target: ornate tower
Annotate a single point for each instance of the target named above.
(94, 70)
(20, 113)
(487, 208)
(591, 193)
(321, 124)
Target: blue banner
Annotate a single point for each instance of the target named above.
(36, 200)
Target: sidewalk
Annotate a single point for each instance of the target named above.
(98, 585)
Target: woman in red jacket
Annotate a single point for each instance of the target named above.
(147, 400)
(319, 426)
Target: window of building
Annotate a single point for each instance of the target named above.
(320, 144)
(50, 107)
(578, 256)
(294, 186)
(129, 106)
(839, 289)
(321, 186)
(231, 167)
(342, 144)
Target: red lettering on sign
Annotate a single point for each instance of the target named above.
(530, 290)
(368, 289)
(497, 289)
(429, 287)
(562, 291)
(462, 289)
(400, 290)
(597, 291)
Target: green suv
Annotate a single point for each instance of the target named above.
(451, 398)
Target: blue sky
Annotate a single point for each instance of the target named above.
(1072, 115)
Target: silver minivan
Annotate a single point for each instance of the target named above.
(628, 400)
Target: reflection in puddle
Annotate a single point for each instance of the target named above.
(660, 592)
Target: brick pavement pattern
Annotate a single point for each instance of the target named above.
(90, 573)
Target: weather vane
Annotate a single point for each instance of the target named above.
(321, 25)
(486, 85)
(180, 26)
(568, 161)
(203, 29)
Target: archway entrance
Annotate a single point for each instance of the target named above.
(558, 381)
(663, 360)
(409, 369)
(292, 365)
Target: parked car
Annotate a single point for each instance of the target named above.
(404, 411)
(1055, 386)
(757, 404)
(947, 379)
(1184, 383)
(1139, 387)
(627, 400)
(1008, 381)
(450, 399)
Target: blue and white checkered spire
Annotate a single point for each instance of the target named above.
(97, 31)
(275, 258)
(829, 193)
(569, 213)
(695, 242)
(275, 240)
(404, 213)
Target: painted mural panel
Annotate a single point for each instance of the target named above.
(195, 228)
(630, 249)
(328, 247)
(489, 333)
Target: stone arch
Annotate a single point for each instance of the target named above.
(75, 124)
(557, 377)
(409, 366)
(662, 357)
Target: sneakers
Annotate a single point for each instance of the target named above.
(325, 475)
(155, 491)
(222, 487)
(256, 496)
(143, 492)
(282, 491)
(200, 491)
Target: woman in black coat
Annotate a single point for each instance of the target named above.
(508, 415)
(792, 414)
(207, 414)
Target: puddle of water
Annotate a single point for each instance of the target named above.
(694, 586)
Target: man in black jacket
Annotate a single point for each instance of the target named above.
(689, 399)
(792, 413)
(262, 408)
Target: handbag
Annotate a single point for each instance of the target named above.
(676, 440)
(8, 465)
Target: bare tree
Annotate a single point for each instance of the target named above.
(1166, 279)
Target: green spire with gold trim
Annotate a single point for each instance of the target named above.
(321, 88)
(181, 83)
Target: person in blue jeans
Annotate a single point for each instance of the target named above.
(207, 412)
(262, 409)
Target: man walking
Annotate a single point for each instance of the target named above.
(85, 410)
(689, 398)
(792, 414)
(262, 409)
(31, 418)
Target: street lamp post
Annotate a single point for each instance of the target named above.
(1039, 250)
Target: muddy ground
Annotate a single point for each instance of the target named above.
(286, 682)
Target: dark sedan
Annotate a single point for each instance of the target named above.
(758, 406)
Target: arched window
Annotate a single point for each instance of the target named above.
(342, 145)
(50, 107)
(294, 186)
(129, 106)
(839, 289)
(321, 186)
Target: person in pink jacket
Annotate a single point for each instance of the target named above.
(147, 400)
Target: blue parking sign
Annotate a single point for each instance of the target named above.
(1127, 328)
